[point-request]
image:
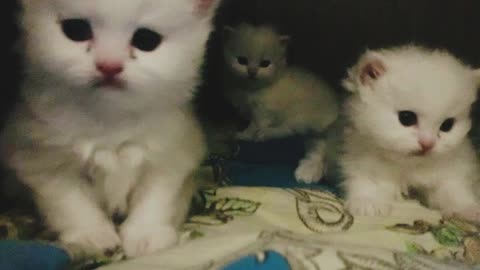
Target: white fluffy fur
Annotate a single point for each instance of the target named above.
(88, 152)
(381, 158)
(282, 100)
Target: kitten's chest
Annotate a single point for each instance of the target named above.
(419, 173)
(85, 144)
(74, 128)
(156, 133)
(85, 135)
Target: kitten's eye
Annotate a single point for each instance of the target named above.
(407, 118)
(265, 63)
(242, 60)
(146, 40)
(77, 29)
(447, 125)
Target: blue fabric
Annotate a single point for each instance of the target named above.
(272, 175)
(19, 255)
(272, 164)
(273, 261)
(279, 151)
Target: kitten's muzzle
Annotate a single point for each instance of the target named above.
(426, 144)
(426, 147)
(109, 69)
(252, 73)
(109, 74)
(110, 83)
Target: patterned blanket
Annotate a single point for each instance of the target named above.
(292, 229)
(300, 229)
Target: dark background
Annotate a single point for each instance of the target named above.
(10, 72)
(328, 36)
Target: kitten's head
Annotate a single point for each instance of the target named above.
(412, 101)
(140, 49)
(255, 53)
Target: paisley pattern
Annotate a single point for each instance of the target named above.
(219, 211)
(321, 211)
(458, 239)
(286, 250)
(292, 229)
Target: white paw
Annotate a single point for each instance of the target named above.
(131, 155)
(470, 213)
(248, 134)
(100, 164)
(243, 136)
(96, 239)
(368, 207)
(144, 240)
(309, 171)
(260, 136)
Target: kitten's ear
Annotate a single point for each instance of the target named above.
(206, 7)
(369, 69)
(285, 40)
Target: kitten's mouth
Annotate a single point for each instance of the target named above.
(110, 83)
(421, 153)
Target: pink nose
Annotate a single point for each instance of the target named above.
(426, 145)
(110, 69)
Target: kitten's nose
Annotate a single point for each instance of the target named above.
(110, 69)
(426, 145)
(252, 74)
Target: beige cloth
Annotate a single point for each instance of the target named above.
(312, 230)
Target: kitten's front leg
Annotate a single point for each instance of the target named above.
(158, 208)
(249, 134)
(365, 197)
(312, 168)
(68, 203)
(271, 132)
(256, 130)
(455, 197)
(263, 131)
(115, 172)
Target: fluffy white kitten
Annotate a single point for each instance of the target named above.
(408, 124)
(105, 127)
(280, 100)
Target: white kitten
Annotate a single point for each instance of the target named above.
(280, 100)
(105, 127)
(409, 119)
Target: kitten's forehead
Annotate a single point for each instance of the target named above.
(166, 13)
(257, 41)
(431, 86)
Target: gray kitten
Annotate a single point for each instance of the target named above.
(279, 100)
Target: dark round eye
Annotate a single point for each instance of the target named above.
(447, 125)
(265, 63)
(242, 60)
(407, 118)
(146, 40)
(77, 29)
